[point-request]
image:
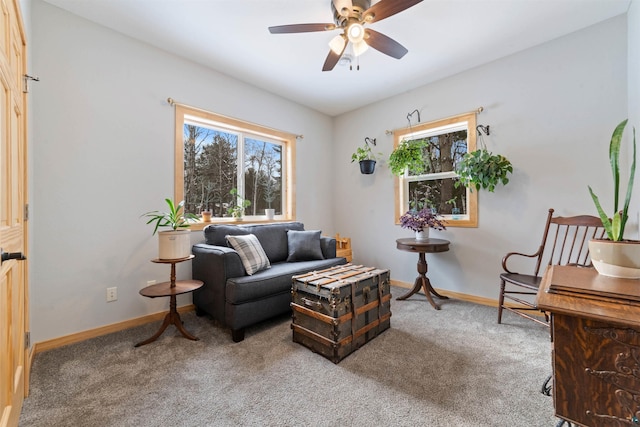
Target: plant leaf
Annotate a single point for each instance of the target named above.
(614, 159)
(603, 216)
(627, 199)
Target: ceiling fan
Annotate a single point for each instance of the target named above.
(350, 16)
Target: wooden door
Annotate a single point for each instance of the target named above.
(13, 229)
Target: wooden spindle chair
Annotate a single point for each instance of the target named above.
(564, 242)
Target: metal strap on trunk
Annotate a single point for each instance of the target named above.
(380, 295)
(334, 273)
(321, 317)
(317, 337)
(353, 309)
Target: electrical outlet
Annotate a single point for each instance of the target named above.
(112, 294)
(151, 282)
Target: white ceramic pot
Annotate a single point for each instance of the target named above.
(422, 235)
(616, 259)
(174, 244)
(271, 213)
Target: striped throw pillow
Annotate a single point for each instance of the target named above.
(251, 253)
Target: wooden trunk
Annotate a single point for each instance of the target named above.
(338, 310)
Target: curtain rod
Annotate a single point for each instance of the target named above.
(173, 102)
(477, 111)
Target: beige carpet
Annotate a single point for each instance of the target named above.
(454, 367)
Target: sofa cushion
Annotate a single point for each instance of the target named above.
(277, 279)
(272, 236)
(216, 234)
(251, 253)
(304, 245)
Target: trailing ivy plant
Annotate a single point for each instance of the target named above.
(408, 154)
(482, 169)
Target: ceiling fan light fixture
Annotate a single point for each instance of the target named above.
(360, 48)
(337, 44)
(355, 33)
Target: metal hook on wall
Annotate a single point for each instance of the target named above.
(411, 114)
(368, 140)
(484, 129)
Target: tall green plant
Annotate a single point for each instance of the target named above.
(615, 225)
(174, 219)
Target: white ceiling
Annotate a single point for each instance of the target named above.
(444, 37)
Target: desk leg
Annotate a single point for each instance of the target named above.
(422, 281)
(172, 318)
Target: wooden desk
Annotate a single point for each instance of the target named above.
(595, 329)
(422, 281)
(171, 289)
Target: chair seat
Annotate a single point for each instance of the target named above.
(525, 280)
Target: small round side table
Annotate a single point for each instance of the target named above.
(422, 281)
(171, 289)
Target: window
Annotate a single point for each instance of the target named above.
(444, 142)
(223, 162)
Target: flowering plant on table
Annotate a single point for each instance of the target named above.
(419, 220)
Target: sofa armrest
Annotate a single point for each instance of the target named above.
(214, 265)
(328, 246)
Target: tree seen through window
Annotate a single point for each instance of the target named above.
(212, 172)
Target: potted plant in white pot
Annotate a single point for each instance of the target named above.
(616, 256)
(420, 221)
(408, 154)
(176, 242)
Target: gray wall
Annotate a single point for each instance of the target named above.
(101, 141)
(633, 39)
(102, 149)
(551, 110)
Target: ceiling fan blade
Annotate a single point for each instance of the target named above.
(301, 28)
(386, 8)
(341, 5)
(332, 59)
(384, 44)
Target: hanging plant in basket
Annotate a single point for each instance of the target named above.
(366, 157)
(408, 154)
(483, 169)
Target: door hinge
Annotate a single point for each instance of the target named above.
(26, 212)
(27, 340)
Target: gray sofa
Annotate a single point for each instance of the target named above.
(236, 299)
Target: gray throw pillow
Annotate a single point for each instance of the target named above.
(251, 253)
(304, 245)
